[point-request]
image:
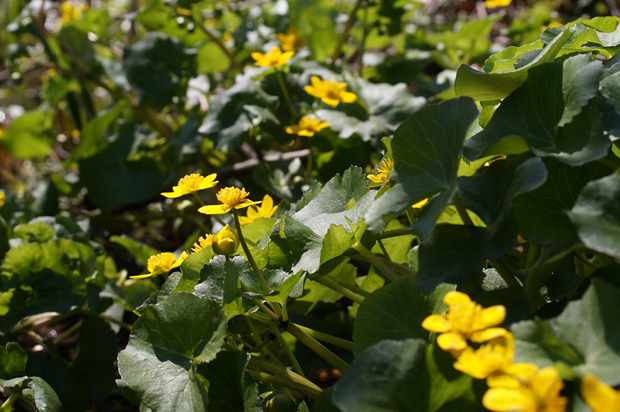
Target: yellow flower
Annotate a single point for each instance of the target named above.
(2, 198)
(383, 172)
(267, 209)
(491, 4)
(231, 198)
(330, 91)
(162, 263)
(190, 184)
(307, 126)
(420, 204)
(274, 58)
(493, 362)
(225, 242)
(598, 395)
(541, 393)
(465, 320)
(184, 12)
(291, 41)
(68, 12)
(203, 243)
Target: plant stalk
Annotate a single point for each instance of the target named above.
(324, 337)
(289, 353)
(287, 383)
(312, 344)
(9, 401)
(338, 288)
(285, 93)
(461, 210)
(259, 275)
(379, 263)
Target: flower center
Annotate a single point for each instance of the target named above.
(231, 196)
(165, 260)
(461, 317)
(191, 181)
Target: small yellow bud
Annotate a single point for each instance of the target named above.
(225, 242)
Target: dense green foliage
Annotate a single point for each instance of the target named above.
(504, 186)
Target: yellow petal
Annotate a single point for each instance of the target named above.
(436, 323)
(148, 275)
(451, 341)
(214, 209)
(313, 91)
(598, 395)
(492, 316)
(522, 371)
(267, 202)
(208, 181)
(245, 220)
(347, 97)
(330, 102)
(294, 129)
(454, 298)
(488, 334)
(316, 82)
(246, 204)
(179, 260)
(305, 132)
(469, 364)
(420, 204)
(504, 400)
(503, 381)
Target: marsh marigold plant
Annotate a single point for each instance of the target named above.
(465, 320)
(273, 58)
(291, 41)
(266, 209)
(190, 184)
(383, 172)
(230, 198)
(330, 92)
(161, 264)
(307, 126)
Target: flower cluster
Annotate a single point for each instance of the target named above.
(330, 92)
(382, 175)
(513, 386)
(68, 12)
(492, 4)
(225, 242)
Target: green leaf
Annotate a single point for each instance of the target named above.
(541, 214)
(211, 59)
(231, 388)
(165, 341)
(113, 180)
(427, 148)
(596, 215)
(326, 217)
(404, 376)
(387, 107)
(140, 251)
(396, 312)
(228, 119)
(12, 365)
(41, 395)
(498, 85)
(451, 254)
(560, 91)
(94, 362)
(35, 232)
(586, 338)
(27, 137)
(156, 67)
(79, 43)
(490, 194)
(92, 137)
(48, 277)
(34, 390)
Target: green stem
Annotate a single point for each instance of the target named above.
(68, 332)
(324, 337)
(462, 211)
(9, 401)
(379, 264)
(312, 344)
(261, 305)
(384, 250)
(397, 232)
(280, 371)
(309, 164)
(338, 288)
(533, 254)
(277, 380)
(354, 288)
(202, 203)
(259, 275)
(289, 353)
(345, 33)
(285, 93)
(259, 342)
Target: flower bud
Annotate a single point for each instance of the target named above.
(225, 242)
